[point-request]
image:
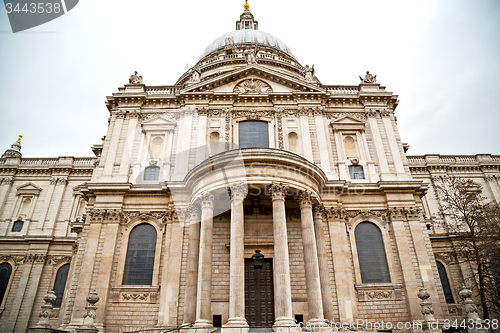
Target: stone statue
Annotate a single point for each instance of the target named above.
(309, 73)
(251, 55)
(368, 78)
(135, 79)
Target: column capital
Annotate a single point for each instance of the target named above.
(194, 212)
(318, 211)
(278, 191)
(306, 199)
(206, 199)
(237, 191)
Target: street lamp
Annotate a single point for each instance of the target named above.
(257, 259)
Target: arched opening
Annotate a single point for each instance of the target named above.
(5, 272)
(60, 284)
(140, 259)
(371, 254)
(448, 295)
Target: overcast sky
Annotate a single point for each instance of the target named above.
(441, 57)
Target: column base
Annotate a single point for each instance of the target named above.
(203, 326)
(235, 325)
(286, 325)
(318, 325)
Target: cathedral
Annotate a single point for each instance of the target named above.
(247, 194)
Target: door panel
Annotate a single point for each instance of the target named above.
(259, 294)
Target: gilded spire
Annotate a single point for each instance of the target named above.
(15, 149)
(246, 6)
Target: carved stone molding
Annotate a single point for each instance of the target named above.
(105, 215)
(279, 122)
(303, 111)
(163, 217)
(253, 86)
(356, 115)
(134, 294)
(56, 260)
(227, 116)
(203, 111)
(172, 116)
(253, 114)
(404, 213)
(342, 214)
(7, 181)
(18, 259)
(378, 292)
(35, 258)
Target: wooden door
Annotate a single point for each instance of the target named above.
(259, 294)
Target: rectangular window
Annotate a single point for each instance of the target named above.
(152, 173)
(254, 134)
(356, 172)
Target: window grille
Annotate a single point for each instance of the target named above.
(371, 254)
(140, 256)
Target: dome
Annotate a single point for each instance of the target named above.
(247, 36)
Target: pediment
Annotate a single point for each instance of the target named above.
(242, 81)
(159, 123)
(29, 188)
(347, 120)
(347, 123)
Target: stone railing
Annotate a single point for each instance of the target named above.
(459, 159)
(39, 161)
(163, 90)
(342, 90)
(76, 161)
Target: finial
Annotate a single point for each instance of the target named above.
(246, 6)
(19, 138)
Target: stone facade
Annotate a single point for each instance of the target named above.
(171, 159)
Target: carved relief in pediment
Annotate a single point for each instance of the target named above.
(253, 86)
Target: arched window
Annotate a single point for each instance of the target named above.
(18, 226)
(356, 172)
(152, 173)
(445, 283)
(140, 256)
(371, 254)
(254, 134)
(5, 272)
(60, 284)
(292, 142)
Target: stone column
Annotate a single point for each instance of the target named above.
(324, 274)
(192, 265)
(204, 293)
(282, 289)
(238, 193)
(313, 285)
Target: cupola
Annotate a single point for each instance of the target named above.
(247, 20)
